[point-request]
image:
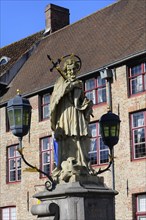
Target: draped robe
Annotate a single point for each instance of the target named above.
(70, 111)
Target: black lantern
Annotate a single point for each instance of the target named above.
(109, 128)
(19, 114)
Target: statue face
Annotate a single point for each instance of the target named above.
(70, 71)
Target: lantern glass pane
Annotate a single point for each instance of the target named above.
(106, 131)
(11, 117)
(18, 117)
(113, 131)
(26, 117)
(118, 129)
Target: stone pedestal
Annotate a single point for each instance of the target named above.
(76, 201)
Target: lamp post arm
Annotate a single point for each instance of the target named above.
(34, 168)
(109, 165)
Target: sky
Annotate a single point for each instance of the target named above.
(22, 18)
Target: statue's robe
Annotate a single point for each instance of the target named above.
(69, 120)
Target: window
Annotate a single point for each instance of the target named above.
(8, 213)
(14, 164)
(46, 155)
(4, 60)
(137, 78)
(99, 153)
(95, 90)
(138, 129)
(141, 207)
(45, 106)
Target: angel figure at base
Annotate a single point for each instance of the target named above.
(70, 116)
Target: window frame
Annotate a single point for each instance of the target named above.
(98, 147)
(7, 121)
(137, 212)
(42, 105)
(16, 157)
(142, 74)
(10, 214)
(96, 89)
(132, 130)
(51, 151)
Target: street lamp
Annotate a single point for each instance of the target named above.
(19, 115)
(110, 128)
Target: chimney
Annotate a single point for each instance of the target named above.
(56, 18)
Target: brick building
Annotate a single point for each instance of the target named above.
(113, 38)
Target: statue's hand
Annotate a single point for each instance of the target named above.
(77, 84)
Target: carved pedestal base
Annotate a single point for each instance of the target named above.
(82, 200)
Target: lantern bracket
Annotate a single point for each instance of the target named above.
(50, 184)
(109, 164)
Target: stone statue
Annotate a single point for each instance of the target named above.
(70, 115)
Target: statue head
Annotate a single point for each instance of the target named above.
(71, 67)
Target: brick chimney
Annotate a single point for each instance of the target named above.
(56, 18)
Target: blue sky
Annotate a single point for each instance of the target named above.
(21, 18)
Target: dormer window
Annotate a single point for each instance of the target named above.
(4, 60)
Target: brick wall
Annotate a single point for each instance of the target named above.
(129, 175)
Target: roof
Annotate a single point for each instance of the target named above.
(16, 50)
(108, 35)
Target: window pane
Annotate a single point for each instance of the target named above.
(104, 152)
(100, 82)
(46, 111)
(136, 70)
(19, 163)
(93, 157)
(12, 164)
(9, 213)
(18, 114)
(137, 85)
(46, 168)
(142, 217)
(46, 99)
(46, 157)
(11, 151)
(93, 146)
(102, 145)
(139, 135)
(138, 119)
(102, 95)
(19, 174)
(104, 156)
(5, 214)
(11, 117)
(25, 117)
(16, 152)
(140, 150)
(93, 130)
(12, 176)
(91, 96)
(142, 203)
(90, 84)
(45, 143)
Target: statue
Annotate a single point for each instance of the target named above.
(70, 116)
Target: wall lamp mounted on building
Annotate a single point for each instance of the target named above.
(109, 128)
(19, 114)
